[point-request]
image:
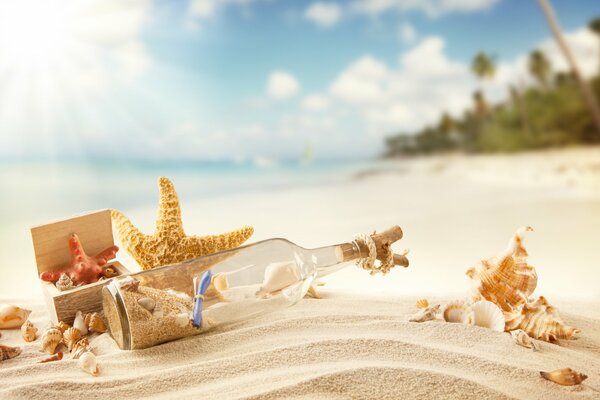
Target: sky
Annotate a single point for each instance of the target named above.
(253, 79)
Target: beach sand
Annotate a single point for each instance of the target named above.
(357, 343)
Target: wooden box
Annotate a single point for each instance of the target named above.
(50, 244)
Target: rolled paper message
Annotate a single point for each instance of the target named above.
(200, 286)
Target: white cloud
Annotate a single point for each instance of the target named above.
(432, 8)
(324, 15)
(202, 10)
(316, 102)
(282, 85)
(407, 33)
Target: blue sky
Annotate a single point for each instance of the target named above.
(240, 79)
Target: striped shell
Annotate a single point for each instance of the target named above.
(422, 303)
(506, 280)
(50, 340)
(7, 352)
(28, 331)
(95, 323)
(488, 315)
(539, 320)
(70, 337)
(458, 311)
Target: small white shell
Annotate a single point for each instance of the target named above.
(425, 314)
(458, 311)
(278, 276)
(488, 315)
(87, 362)
(521, 338)
(147, 303)
(64, 283)
(182, 319)
(158, 311)
(79, 323)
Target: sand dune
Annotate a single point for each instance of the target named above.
(338, 347)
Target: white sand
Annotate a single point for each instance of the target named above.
(453, 212)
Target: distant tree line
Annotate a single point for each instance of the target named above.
(560, 109)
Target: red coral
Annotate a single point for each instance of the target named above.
(82, 269)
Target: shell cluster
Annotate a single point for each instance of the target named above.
(481, 313)
(508, 282)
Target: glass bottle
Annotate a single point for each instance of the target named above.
(156, 306)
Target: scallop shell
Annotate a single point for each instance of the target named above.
(521, 338)
(506, 280)
(7, 352)
(62, 326)
(71, 336)
(50, 340)
(425, 314)
(564, 376)
(540, 320)
(278, 276)
(95, 323)
(80, 324)
(64, 283)
(488, 315)
(422, 303)
(28, 331)
(147, 303)
(80, 347)
(12, 317)
(458, 311)
(87, 362)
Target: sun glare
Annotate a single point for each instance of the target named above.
(34, 33)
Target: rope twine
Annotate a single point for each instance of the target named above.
(368, 263)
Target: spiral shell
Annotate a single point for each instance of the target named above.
(71, 336)
(425, 314)
(88, 363)
(540, 320)
(521, 338)
(64, 283)
(12, 317)
(80, 324)
(7, 352)
(28, 331)
(458, 311)
(95, 323)
(422, 303)
(506, 280)
(278, 276)
(50, 340)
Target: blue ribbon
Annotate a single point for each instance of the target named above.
(200, 287)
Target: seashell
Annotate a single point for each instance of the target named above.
(94, 323)
(521, 338)
(62, 326)
(80, 324)
(158, 311)
(278, 276)
(539, 320)
(130, 284)
(80, 347)
(147, 303)
(55, 357)
(71, 336)
(564, 376)
(50, 340)
(182, 319)
(7, 352)
(64, 283)
(422, 303)
(506, 280)
(87, 362)
(488, 315)
(460, 312)
(425, 314)
(110, 272)
(12, 317)
(29, 331)
(218, 284)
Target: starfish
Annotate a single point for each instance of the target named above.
(82, 269)
(169, 244)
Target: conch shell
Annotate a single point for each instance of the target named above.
(71, 336)
(28, 331)
(458, 311)
(521, 338)
(539, 320)
(564, 376)
(425, 314)
(12, 317)
(64, 283)
(506, 280)
(95, 323)
(7, 352)
(422, 303)
(80, 324)
(50, 340)
(278, 276)
(87, 362)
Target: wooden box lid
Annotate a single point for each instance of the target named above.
(50, 241)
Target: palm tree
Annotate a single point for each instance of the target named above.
(594, 26)
(484, 68)
(586, 90)
(539, 67)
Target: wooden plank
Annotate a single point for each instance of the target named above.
(50, 241)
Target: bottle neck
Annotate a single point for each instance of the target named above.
(333, 258)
